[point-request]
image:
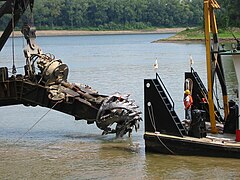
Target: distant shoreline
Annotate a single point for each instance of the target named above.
(85, 33)
(186, 40)
(197, 35)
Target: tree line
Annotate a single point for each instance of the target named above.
(229, 14)
(125, 14)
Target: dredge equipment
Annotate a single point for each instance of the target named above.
(45, 84)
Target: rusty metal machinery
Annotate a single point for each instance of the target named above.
(45, 84)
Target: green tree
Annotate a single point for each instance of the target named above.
(116, 14)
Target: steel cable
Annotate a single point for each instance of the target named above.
(154, 127)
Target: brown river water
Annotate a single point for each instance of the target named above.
(59, 147)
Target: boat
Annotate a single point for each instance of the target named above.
(208, 132)
(44, 82)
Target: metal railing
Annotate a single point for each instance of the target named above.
(165, 90)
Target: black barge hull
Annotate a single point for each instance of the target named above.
(189, 146)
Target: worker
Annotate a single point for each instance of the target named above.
(188, 102)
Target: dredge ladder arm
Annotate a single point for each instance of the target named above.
(45, 84)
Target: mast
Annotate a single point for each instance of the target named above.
(211, 26)
(214, 64)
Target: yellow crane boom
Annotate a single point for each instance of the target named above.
(212, 58)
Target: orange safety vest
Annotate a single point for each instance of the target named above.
(188, 101)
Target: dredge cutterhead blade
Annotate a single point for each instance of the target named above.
(119, 110)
